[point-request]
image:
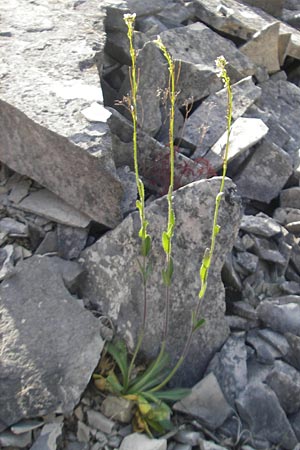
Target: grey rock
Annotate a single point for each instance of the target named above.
(121, 300)
(290, 198)
(70, 271)
(295, 422)
(293, 356)
(243, 309)
(206, 124)
(26, 425)
(259, 407)
(6, 262)
(49, 437)
(206, 402)
(53, 373)
(286, 387)
(260, 225)
(242, 21)
(237, 323)
(49, 205)
(230, 275)
(188, 437)
(100, 422)
(265, 352)
(137, 441)
(96, 113)
(182, 447)
(127, 178)
(71, 241)
(9, 439)
(20, 190)
(257, 372)
(83, 432)
(210, 445)
(293, 227)
(49, 244)
(265, 172)
(13, 228)
(267, 250)
(277, 340)
(273, 7)
(197, 47)
(117, 408)
(247, 260)
(229, 366)
(61, 172)
(262, 48)
(280, 317)
(290, 287)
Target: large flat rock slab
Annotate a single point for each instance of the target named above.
(113, 281)
(49, 73)
(81, 179)
(50, 344)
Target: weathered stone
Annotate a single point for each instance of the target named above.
(295, 422)
(6, 262)
(120, 298)
(280, 317)
(48, 245)
(49, 437)
(13, 227)
(128, 180)
(71, 241)
(137, 441)
(268, 250)
(9, 439)
(20, 190)
(287, 388)
(96, 113)
(262, 48)
(197, 47)
(277, 340)
(83, 432)
(100, 422)
(210, 445)
(229, 366)
(207, 123)
(265, 352)
(38, 142)
(259, 407)
(117, 408)
(243, 21)
(245, 133)
(242, 309)
(290, 198)
(188, 437)
(237, 323)
(261, 225)
(265, 173)
(61, 172)
(49, 205)
(50, 376)
(206, 402)
(273, 7)
(230, 275)
(293, 356)
(26, 425)
(247, 260)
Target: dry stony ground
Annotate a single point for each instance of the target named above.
(66, 179)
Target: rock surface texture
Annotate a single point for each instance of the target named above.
(69, 246)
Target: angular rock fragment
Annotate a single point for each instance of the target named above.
(293, 356)
(117, 290)
(265, 172)
(279, 316)
(262, 48)
(261, 225)
(290, 198)
(58, 165)
(286, 385)
(71, 241)
(229, 366)
(273, 7)
(139, 441)
(265, 352)
(259, 407)
(49, 437)
(206, 402)
(207, 123)
(40, 379)
(245, 133)
(277, 340)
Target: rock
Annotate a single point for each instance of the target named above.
(58, 166)
(49, 437)
(237, 323)
(248, 261)
(182, 447)
(245, 133)
(121, 299)
(210, 445)
(137, 441)
(290, 198)
(48, 245)
(260, 225)
(13, 228)
(46, 204)
(243, 309)
(54, 373)
(264, 173)
(259, 407)
(229, 366)
(286, 385)
(207, 123)
(230, 275)
(238, 20)
(293, 356)
(6, 262)
(83, 432)
(262, 48)
(127, 177)
(117, 408)
(100, 422)
(197, 47)
(188, 437)
(20, 190)
(26, 425)
(295, 422)
(277, 340)
(279, 317)
(96, 113)
(71, 241)
(273, 7)
(9, 439)
(265, 352)
(268, 250)
(206, 402)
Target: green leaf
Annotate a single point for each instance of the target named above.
(217, 229)
(198, 324)
(172, 218)
(168, 273)
(149, 269)
(138, 204)
(172, 395)
(146, 246)
(118, 351)
(165, 242)
(113, 381)
(154, 372)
